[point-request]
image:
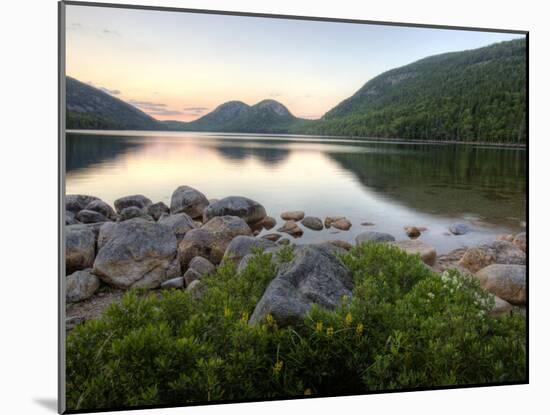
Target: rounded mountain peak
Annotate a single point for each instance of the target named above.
(273, 106)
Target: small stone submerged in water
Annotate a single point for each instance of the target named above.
(459, 228)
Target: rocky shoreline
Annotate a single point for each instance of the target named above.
(141, 244)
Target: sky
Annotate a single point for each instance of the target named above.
(180, 66)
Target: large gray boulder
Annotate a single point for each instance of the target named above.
(81, 285)
(211, 240)
(70, 218)
(138, 254)
(90, 216)
(373, 236)
(132, 212)
(156, 210)
(314, 276)
(138, 201)
(498, 252)
(243, 245)
(188, 200)
(105, 233)
(80, 243)
(75, 203)
(100, 206)
(180, 223)
(508, 282)
(247, 209)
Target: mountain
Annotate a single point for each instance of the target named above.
(474, 95)
(267, 116)
(91, 108)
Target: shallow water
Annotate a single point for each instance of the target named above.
(390, 184)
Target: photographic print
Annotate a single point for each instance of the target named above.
(263, 207)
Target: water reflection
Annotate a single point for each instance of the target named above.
(390, 184)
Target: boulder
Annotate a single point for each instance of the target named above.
(274, 237)
(296, 215)
(291, 228)
(313, 223)
(520, 240)
(247, 209)
(90, 216)
(81, 285)
(211, 240)
(342, 224)
(505, 237)
(105, 233)
(185, 199)
(202, 266)
(372, 236)
(100, 206)
(156, 210)
(138, 254)
(138, 201)
(80, 243)
(243, 245)
(330, 219)
(190, 276)
(70, 218)
(180, 223)
(173, 283)
(341, 244)
(459, 228)
(415, 247)
(196, 289)
(314, 276)
(266, 223)
(132, 212)
(367, 224)
(505, 281)
(498, 252)
(412, 231)
(501, 307)
(75, 203)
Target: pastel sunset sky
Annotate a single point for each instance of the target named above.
(181, 66)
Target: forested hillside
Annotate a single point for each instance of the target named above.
(476, 95)
(91, 108)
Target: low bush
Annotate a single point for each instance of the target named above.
(404, 327)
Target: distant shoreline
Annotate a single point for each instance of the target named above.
(522, 146)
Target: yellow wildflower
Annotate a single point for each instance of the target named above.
(330, 332)
(349, 319)
(269, 319)
(308, 392)
(319, 327)
(227, 312)
(359, 329)
(277, 367)
(244, 317)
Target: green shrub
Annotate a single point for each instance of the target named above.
(404, 327)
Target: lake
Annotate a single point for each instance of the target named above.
(387, 183)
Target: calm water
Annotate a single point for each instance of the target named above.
(389, 184)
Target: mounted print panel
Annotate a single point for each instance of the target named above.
(261, 207)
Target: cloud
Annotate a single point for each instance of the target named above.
(154, 108)
(110, 32)
(275, 94)
(110, 91)
(195, 110)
